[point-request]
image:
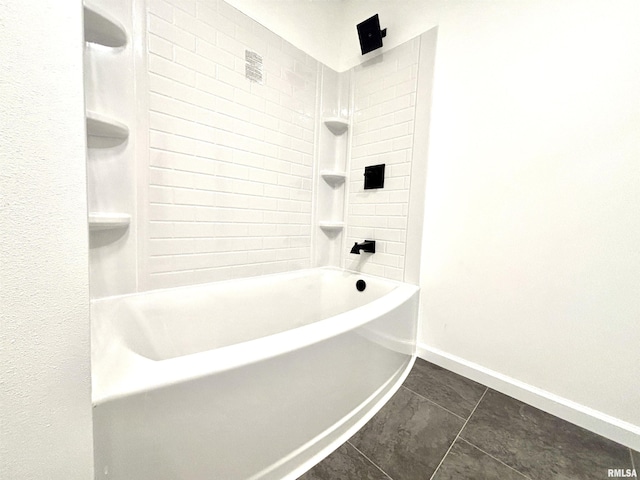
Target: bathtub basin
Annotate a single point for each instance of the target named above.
(248, 379)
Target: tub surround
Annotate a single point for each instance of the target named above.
(109, 86)
(230, 172)
(238, 178)
(384, 103)
(331, 163)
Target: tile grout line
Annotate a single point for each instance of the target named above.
(436, 404)
(455, 439)
(371, 461)
(496, 459)
(488, 454)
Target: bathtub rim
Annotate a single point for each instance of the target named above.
(292, 273)
(137, 374)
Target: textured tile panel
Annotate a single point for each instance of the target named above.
(466, 462)
(449, 390)
(408, 437)
(540, 445)
(228, 157)
(384, 110)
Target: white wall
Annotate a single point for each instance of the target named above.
(230, 168)
(531, 264)
(45, 404)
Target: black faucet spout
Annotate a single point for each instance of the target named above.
(368, 246)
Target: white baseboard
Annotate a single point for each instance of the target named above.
(585, 417)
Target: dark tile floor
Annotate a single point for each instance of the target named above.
(442, 426)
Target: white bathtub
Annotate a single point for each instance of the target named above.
(248, 379)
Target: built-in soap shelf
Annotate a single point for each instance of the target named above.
(108, 221)
(102, 29)
(331, 227)
(102, 126)
(333, 177)
(337, 125)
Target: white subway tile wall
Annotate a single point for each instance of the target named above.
(383, 119)
(230, 179)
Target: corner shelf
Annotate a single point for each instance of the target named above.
(102, 29)
(333, 178)
(337, 125)
(107, 221)
(331, 227)
(101, 126)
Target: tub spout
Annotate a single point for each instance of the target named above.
(366, 246)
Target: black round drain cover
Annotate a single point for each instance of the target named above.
(361, 285)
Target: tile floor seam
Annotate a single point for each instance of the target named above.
(435, 403)
(486, 389)
(455, 439)
(496, 459)
(371, 461)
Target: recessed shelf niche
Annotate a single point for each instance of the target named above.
(100, 28)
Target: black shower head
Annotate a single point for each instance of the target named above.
(370, 35)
